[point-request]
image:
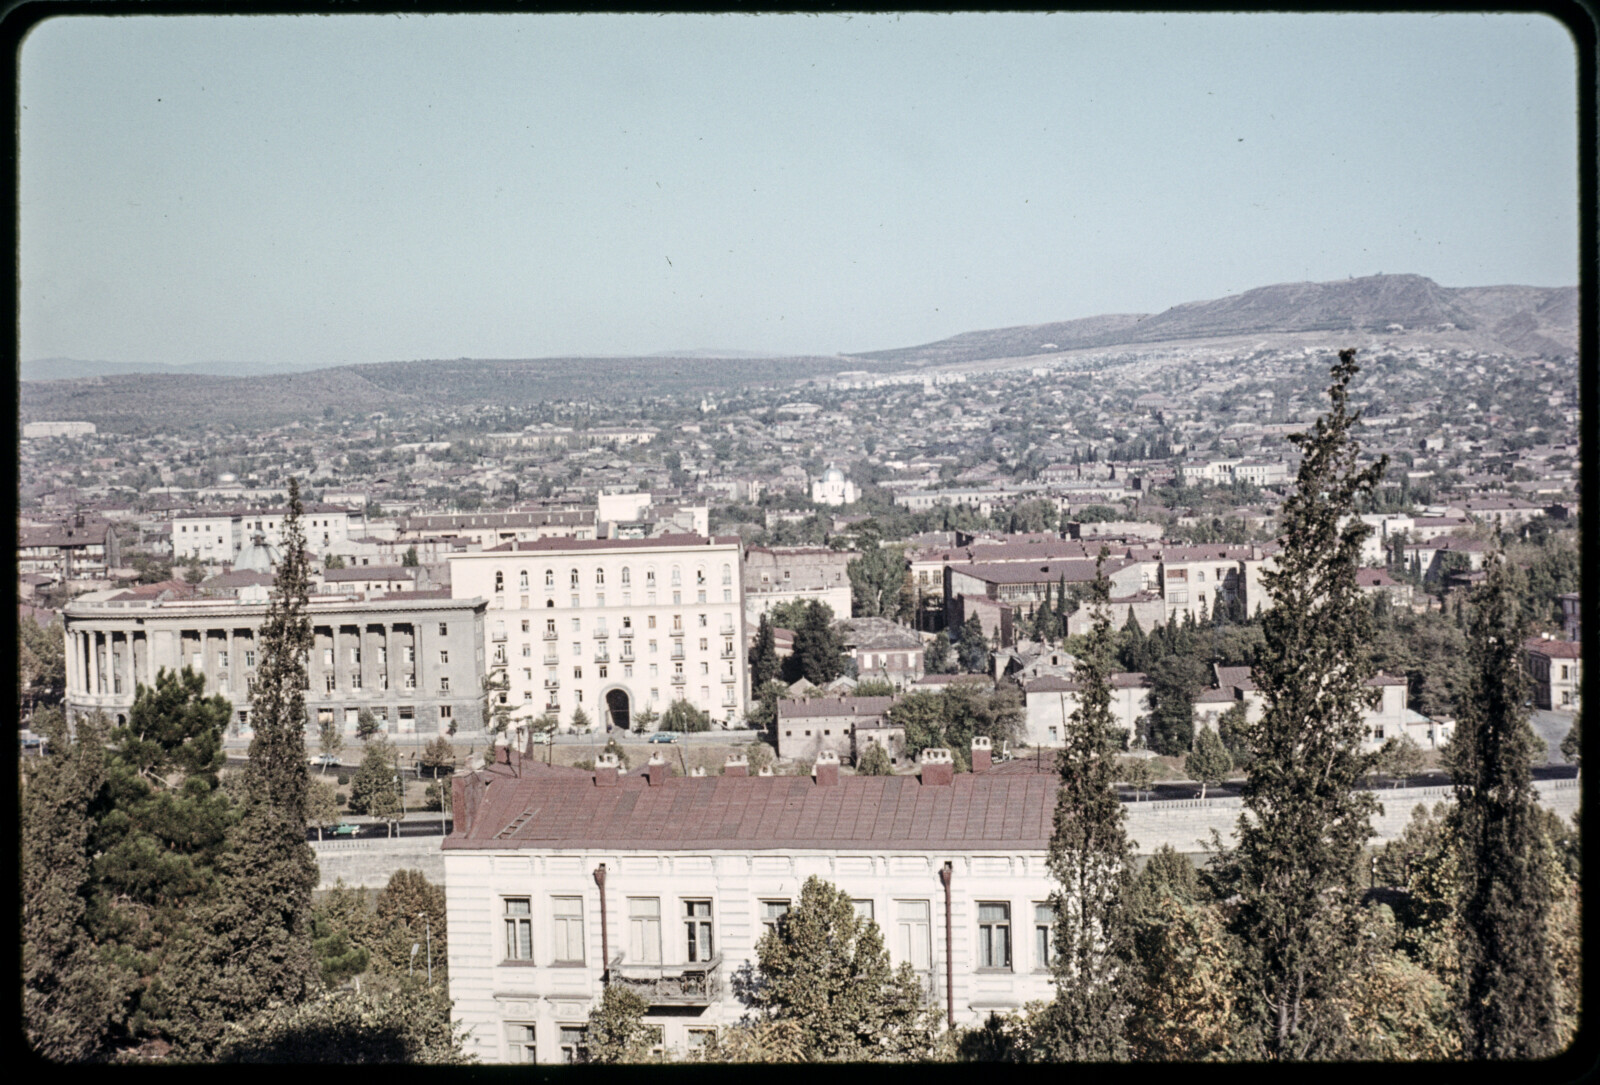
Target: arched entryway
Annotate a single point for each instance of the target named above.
(617, 705)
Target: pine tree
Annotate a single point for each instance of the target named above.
(1508, 1004)
(1305, 820)
(1091, 858)
(764, 656)
(973, 648)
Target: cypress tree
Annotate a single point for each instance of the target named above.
(1508, 1001)
(1305, 821)
(764, 658)
(252, 946)
(1091, 858)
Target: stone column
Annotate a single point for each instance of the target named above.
(233, 660)
(74, 660)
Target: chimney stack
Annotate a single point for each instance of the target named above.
(982, 753)
(826, 770)
(656, 769)
(766, 770)
(737, 765)
(938, 767)
(606, 767)
(698, 770)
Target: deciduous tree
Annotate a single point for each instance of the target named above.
(1209, 763)
(825, 969)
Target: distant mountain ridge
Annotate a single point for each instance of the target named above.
(1515, 319)
(55, 369)
(1519, 320)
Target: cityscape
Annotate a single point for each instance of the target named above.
(1186, 685)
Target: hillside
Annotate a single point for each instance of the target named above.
(1521, 320)
(1517, 320)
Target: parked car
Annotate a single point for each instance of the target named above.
(663, 736)
(345, 829)
(325, 761)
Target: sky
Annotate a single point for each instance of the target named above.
(329, 190)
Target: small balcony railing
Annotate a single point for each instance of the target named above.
(678, 679)
(600, 634)
(551, 634)
(672, 984)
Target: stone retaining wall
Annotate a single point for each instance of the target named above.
(1184, 823)
(368, 863)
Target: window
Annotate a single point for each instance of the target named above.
(702, 626)
(446, 711)
(862, 908)
(772, 911)
(577, 672)
(519, 1039)
(913, 935)
(697, 1037)
(702, 644)
(644, 930)
(327, 657)
(549, 578)
(577, 625)
(249, 659)
(568, 945)
(222, 661)
(573, 578)
(727, 574)
(602, 670)
(444, 656)
(573, 1040)
(444, 629)
(1044, 918)
(499, 581)
(329, 681)
(522, 580)
(994, 935)
(650, 621)
(677, 577)
(600, 577)
(519, 927)
(410, 654)
(355, 679)
(577, 649)
(525, 628)
(697, 930)
(444, 683)
(527, 649)
(627, 576)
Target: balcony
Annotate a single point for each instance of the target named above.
(672, 984)
(727, 631)
(552, 661)
(602, 657)
(677, 651)
(552, 683)
(600, 634)
(728, 653)
(626, 656)
(730, 678)
(625, 631)
(678, 679)
(551, 634)
(498, 634)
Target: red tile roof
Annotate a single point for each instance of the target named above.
(834, 706)
(1554, 649)
(553, 808)
(552, 544)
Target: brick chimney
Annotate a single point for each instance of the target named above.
(826, 770)
(938, 768)
(982, 753)
(737, 765)
(656, 770)
(606, 767)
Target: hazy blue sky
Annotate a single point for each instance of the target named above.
(357, 189)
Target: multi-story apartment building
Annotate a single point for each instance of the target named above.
(77, 550)
(612, 626)
(219, 534)
(487, 529)
(414, 659)
(560, 880)
(783, 574)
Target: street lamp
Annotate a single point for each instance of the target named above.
(427, 929)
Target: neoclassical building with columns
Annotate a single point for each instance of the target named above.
(414, 659)
(611, 626)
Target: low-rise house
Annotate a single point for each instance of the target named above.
(1050, 701)
(885, 650)
(1556, 667)
(558, 881)
(805, 728)
(784, 574)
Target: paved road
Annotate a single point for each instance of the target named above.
(1552, 727)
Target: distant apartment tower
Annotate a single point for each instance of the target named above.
(611, 626)
(218, 535)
